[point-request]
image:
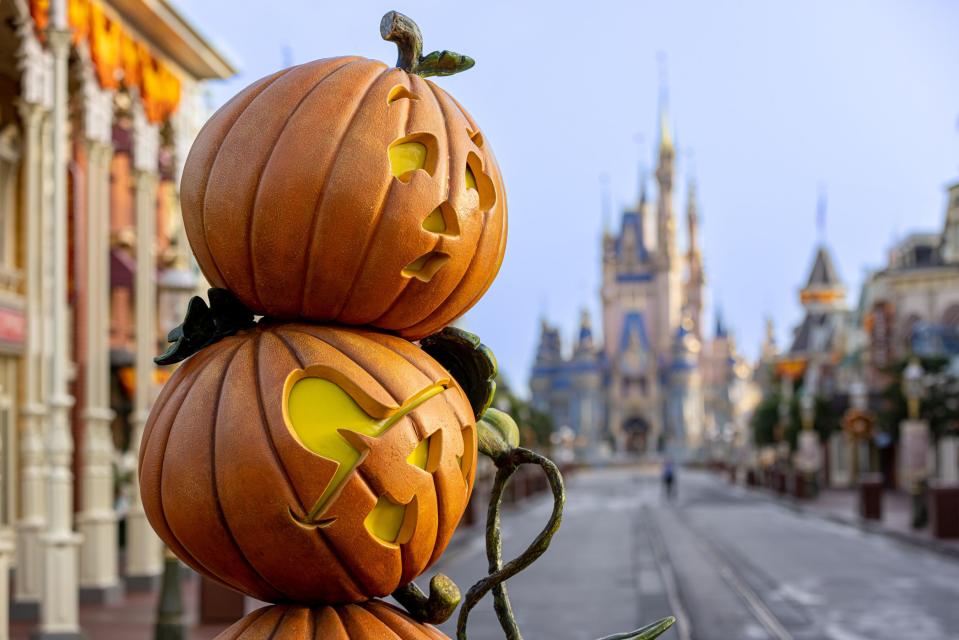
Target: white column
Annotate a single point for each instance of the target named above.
(6, 551)
(144, 549)
(97, 520)
(28, 582)
(59, 610)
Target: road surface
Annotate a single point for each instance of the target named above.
(729, 563)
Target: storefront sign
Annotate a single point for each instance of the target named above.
(13, 326)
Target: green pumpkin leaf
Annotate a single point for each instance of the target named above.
(648, 632)
(471, 363)
(442, 63)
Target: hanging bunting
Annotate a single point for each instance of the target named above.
(118, 58)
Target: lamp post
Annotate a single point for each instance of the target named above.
(915, 441)
(858, 422)
(808, 455)
(175, 287)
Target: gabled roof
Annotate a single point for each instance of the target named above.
(823, 272)
(633, 222)
(811, 324)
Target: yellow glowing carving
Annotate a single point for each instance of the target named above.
(329, 422)
(386, 520)
(470, 178)
(441, 220)
(406, 157)
(435, 222)
(420, 454)
(318, 409)
(400, 92)
(426, 266)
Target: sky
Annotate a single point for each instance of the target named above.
(772, 103)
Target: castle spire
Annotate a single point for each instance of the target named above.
(665, 138)
(665, 223)
(821, 215)
(692, 219)
(696, 277)
(606, 206)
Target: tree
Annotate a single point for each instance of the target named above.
(535, 426)
(939, 406)
(765, 419)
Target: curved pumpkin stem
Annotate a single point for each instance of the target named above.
(406, 35)
(498, 439)
(433, 609)
(506, 465)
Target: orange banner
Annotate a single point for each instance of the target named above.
(119, 59)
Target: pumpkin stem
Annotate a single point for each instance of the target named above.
(403, 32)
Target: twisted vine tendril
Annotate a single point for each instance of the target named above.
(506, 465)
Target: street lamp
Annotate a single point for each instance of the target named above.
(175, 286)
(912, 387)
(807, 410)
(915, 441)
(808, 454)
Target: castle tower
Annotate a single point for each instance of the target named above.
(668, 262)
(631, 328)
(824, 299)
(950, 235)
(685, 408)
(546, 369)
(695, 275)
(665, 169)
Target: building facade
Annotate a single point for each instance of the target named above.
(99, 104)
(642, 390)
(911, 305)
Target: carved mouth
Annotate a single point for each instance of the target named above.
(426, 266)
(314, 519)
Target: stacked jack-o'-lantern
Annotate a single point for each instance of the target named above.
(320, 458)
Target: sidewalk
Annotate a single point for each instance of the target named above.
(132, 618)
(842, 506)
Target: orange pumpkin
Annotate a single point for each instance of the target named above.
(345, 190)
(309, 463)
(374, 619)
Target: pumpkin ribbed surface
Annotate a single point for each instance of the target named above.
(374, 620)
(344, 190)
(241, 481)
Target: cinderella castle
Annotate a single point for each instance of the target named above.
(655, 383)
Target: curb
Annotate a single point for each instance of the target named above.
(866, 526)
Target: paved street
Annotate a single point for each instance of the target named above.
(729, 563)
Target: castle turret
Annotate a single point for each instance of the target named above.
(665, 221)
(584, 341)
(824, 299)
(950, 235)
(684, 403)
(696, 278)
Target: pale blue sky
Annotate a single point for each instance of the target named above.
(773, 98)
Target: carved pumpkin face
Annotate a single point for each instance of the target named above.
(345, 190)
(305, 463)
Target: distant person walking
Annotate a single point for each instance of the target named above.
(669, 477)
